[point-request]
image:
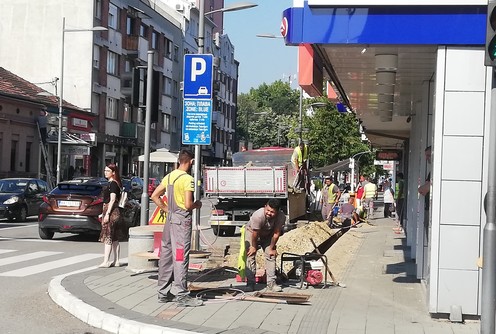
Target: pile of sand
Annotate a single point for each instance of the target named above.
(297, 241)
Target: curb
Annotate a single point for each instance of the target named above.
(97, 318)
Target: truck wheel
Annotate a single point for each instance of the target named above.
(216, 230)
(229, 231)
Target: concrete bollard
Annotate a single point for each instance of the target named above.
(141, 242)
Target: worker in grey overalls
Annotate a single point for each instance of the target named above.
(264, 229)
(176, 237)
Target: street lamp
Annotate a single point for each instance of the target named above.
(61, 91)
(352, 162)
(268, 36)
(195, 236)
(233, 7)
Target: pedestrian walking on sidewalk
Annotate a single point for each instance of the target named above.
(368, 196)
(264, 230)
(388, 199)
(176, 237)
(112, 229)
(399, 196)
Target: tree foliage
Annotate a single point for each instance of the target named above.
(271, 112)
(267, 111)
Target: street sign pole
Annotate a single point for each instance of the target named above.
(195, 236)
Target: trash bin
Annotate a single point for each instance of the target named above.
(140, 248)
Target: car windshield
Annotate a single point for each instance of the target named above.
(12, 186)
(84, 189)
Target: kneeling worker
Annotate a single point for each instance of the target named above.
(264, 229)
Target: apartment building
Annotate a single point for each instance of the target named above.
(98, 66)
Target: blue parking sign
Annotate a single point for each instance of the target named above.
(198, 73)
(197, 122)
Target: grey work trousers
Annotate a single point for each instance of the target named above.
(174, 257)
(251, 263)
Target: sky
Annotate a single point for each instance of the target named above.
(262, 60)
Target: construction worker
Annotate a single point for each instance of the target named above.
(299, 160)
(300, 156)
(264, 230)
(330, 198)
(42, 125)
(176, 238)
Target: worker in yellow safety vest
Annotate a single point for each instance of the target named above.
(300, 156)
(299, 159)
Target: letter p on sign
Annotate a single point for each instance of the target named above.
(198, 68)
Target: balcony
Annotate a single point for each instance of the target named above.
(131, 43)
(128, 130)
(218, 119)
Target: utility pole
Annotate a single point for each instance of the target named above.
(488, 295)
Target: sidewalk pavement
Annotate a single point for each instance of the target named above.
(382, 296)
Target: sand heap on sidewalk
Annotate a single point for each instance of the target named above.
(297, 241)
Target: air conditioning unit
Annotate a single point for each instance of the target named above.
(217, 39)
(179, 7)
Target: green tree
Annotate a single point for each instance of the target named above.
(277, 96)
(272, 114)
(268, 111)
(332, 136)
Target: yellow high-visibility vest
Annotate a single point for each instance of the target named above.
(302, 156)
(331, 196)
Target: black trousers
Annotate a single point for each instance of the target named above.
(387, 210)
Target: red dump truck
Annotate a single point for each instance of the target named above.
(256, 176)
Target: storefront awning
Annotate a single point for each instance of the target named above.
(161, 155)
(67, 139)
(339, 166)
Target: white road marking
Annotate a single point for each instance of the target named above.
(14, 227)
(30, 240)
(26, 257)
(3, 251)
(39, 268)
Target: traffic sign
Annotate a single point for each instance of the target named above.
(197, 122)
(198, 74)
(158, 216)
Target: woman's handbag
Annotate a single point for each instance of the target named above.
(123, 199)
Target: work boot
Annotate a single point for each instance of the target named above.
(188, 301)
(273, 287)
(166, 299)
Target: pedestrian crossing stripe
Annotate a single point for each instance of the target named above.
(39, 268)
(26, 257)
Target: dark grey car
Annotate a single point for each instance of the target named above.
(21, 197)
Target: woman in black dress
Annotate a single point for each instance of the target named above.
(111, 219)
